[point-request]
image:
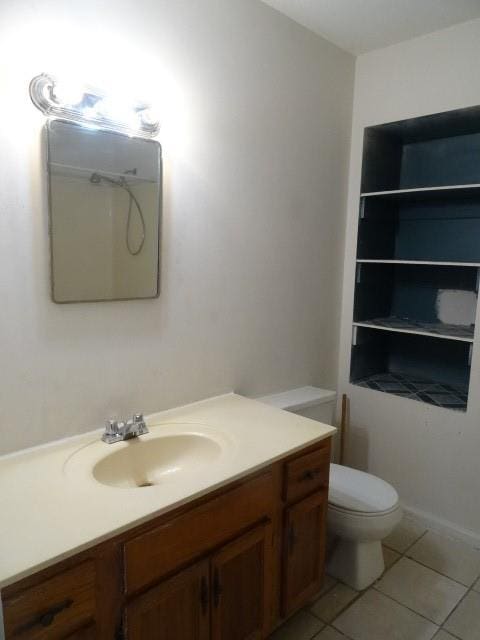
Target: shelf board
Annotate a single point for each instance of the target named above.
(417, 388)
(430, 329)
(427, 193)
(419, 262)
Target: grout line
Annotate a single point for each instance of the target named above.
(328, 590)
(344, 635)
(402, 553)
(359, 594)
(444, 575)
(437, 624)
(415, 542)
(316, 632)
(455, 608)
(449, 632)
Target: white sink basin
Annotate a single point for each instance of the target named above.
(143, 463)
(170, 453)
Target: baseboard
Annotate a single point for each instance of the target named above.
(445, 527)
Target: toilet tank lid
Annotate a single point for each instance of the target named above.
(358, 491)
(300, 398)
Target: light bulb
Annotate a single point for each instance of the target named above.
(149, 116)
(114, 109)
(90, 112)
(67, 92)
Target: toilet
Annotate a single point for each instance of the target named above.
(362, 509)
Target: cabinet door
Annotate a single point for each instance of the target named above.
(304, 550)
(176, 609)
(88, 633)
(241, 587)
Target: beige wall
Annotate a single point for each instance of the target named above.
(431, 455)
(256, 116)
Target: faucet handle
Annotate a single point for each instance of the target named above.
(111, 427)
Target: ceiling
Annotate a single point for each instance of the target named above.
(359, 26)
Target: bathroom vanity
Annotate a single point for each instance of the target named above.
(224, 551)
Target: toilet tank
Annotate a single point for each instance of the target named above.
(310, 402)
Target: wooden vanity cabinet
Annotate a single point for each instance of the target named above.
(228, 566)
(88, 633)
(304, 551)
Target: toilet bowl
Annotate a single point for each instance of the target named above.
(362, 509)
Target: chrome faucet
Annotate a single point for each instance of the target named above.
(118, 431)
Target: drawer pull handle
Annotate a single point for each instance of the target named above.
(291, 538)
(217, 589)
(47, 618)
(309, 475)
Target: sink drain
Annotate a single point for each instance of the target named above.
(145, 484)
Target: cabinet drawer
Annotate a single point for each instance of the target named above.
(307, 473)
(153, 554)
(54, 608)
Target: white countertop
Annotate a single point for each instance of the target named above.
(52, 507)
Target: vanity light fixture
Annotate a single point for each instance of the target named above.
(91, 107)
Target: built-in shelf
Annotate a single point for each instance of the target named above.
(436, 263)
(426, 193)
(442, 395)
(418, 258)
(433, 329)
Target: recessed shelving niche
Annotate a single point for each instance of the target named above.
(418, 258)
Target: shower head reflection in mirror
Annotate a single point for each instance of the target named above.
(96, 178)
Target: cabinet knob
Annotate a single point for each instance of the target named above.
(47, 618)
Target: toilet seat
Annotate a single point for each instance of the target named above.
(359, 493)
(362, 514)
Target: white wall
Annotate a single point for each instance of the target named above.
(256, 116)
(431, 455)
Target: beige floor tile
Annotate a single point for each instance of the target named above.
(329, 606)
(375, 617)
(329, 633)
(390, 557)
(404, 535)
(328, 583)
(302, 626)
(465, 620)
(450, 557)
(476, 586)
(444, 635)
(421, 589)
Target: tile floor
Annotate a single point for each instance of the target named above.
(430, 590)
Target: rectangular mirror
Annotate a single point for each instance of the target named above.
(105, 209)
